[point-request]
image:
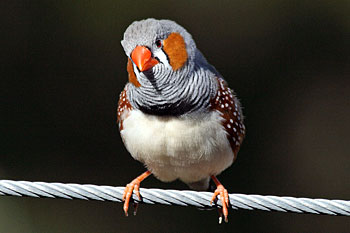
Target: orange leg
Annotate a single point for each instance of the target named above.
(133, 185)
(224, 198)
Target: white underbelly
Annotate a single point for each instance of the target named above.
(188, 148)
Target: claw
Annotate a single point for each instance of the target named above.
(136, 205)
(130, 188)
(128, 194)
(220, 216)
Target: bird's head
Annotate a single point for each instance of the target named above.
(169, 74)
(157, 48)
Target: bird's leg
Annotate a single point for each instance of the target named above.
(224, 198)
(133, 185)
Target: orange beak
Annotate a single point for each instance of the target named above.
(142, 57)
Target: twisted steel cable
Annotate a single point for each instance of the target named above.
(174, 197)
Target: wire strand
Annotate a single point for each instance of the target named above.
(174, 197)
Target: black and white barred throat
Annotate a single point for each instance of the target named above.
(165, 92)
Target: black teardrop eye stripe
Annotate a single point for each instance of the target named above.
(134, 65)
(158, 60)
(167, 57)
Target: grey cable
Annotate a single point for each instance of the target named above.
(174, 197)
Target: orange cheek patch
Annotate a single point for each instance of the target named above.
(175, 48)
(132, 75)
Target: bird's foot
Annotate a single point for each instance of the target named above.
(224, 198)
(128, 193)
(130, 188)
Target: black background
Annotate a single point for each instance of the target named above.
(62, 69)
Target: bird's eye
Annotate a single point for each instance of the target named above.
(158, 43)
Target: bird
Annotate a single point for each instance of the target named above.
(176, 114)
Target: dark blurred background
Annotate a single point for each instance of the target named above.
(62, 69)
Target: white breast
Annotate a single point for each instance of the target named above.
(188, 148)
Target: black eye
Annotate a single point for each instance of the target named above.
(158, 43)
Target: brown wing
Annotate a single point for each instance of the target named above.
(228, 105)
(123, 103)
(124, 106)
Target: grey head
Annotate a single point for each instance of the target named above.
(147, 32)
(179, 81)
